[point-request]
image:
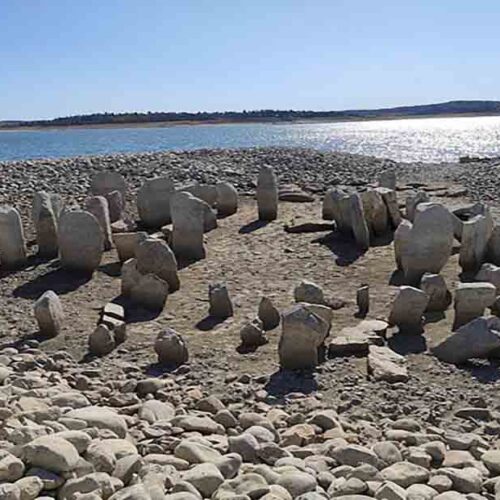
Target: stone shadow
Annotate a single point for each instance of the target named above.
(209, 323)
(397, 278)
(253, 226)
(159, 369)
(433, 316)
(284, 382)
(135, 313)
(310, 227)
(113, 269)
(20, 342)
(342, 246)
(407, 343)
(61, 281)
(484, 371)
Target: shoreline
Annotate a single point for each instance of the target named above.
(189, 123)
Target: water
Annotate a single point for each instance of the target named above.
(430, 139)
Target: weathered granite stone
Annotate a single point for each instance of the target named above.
(12, 242)
(408, 308)
(153, 201)
(267, 194)
(471, 299)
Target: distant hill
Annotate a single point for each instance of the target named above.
(265, 115)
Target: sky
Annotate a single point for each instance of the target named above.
(66, 57)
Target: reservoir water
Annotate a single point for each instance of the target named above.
(427, 140)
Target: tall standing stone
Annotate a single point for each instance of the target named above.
(12, 242)
(401, 241)
(49, 314)
(51, 200)
(336, 206)
(430, 242)
(363, 300)
(188, 216)
(116, 205)
(413, 201)
(375, 211)
(390, 198)
(81, 241)
(155, 256)
(46, 231)
(153, 201)
(267, 194)
(358, 222)
(98, 207)
(227, 199)
(408, 309)
(476, 234)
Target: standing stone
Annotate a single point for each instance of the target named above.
(252, 334)
(401, 241)
(434, 286)
(188, 215)
(101, 341)
(171, 348)
(336, 206)
(413, 201)
(155, 257)
(375, 212)
(12, 243)
(150, 291)
(46, 232)
(494, 246)
(430, 242)
(51, 200)
(267, 194)
(209, 218)
(107, 181)
(358, 222)
(116, 205)
(127, 243)
(227, 199)
(81, 241)
(204, 192)
(408, 309)
(390, 198)
(363, 300)
(302, 337)
(307, 291)
(489, 273)
(130, 276)
(387, 179)
(476, 234)
(471, 299)
(49, 314)
(220, 303)
(98, 207)
(268, 314)
(153, 201)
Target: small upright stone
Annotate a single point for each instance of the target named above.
(471, 299)
(153, 201)
(227, 199)
(49, 314)
(252, 334)
(171, 348)
(307, 291)
(188, 218)
(363, 300)
(358, 223)
(81, 241)
(116, 205)
(407, 309)
(220, 303)
(268, 314)
(267, 194)
(101, 341)
(434, 286)
(476, 234)
(12, 242)
(98, 207)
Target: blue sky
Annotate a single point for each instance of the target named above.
(62, 57)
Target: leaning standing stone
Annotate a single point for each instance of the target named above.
(408, 309)
(12, 243)
(81, 241)
(267, 194)
(471, 299)
(49, 314)
(358, 222)
(171, 348)
(153, 201)
(220, 303)
(188, 215)
(98, 207)
(434, 286)
(227, 199)
(476, 234)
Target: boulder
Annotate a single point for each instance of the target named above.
(51, 453)
(413, 201)
(219, 300)
(171, 348)
(434, 286)
(430, 242)
(12, 242)
(407, 309)
(358, 225)
(127, 243)
(81, 241)
(149, 291)
(307, 291)
(476, 234)
(49, 314)
(268, 314)
(302, 337)
(476, 339)
(153, 201)
(188, 217)
(155, 257)
(375, 211)
(471, 299)
(267, 194)
(385, 364)
(98, 207)
(227, 199)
